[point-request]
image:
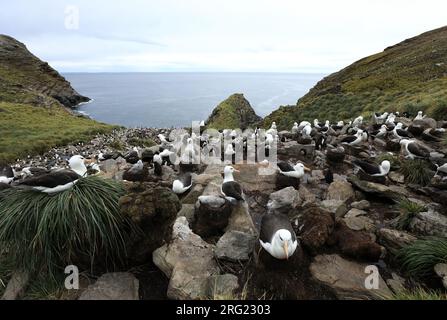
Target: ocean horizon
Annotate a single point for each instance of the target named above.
(175, 99)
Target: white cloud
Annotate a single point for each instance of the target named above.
(218, 35)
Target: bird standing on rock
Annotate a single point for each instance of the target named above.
(231, 190)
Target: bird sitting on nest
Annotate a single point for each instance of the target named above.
(182, 184)
(297, 171)
(373, 169)
(6, 174)
(136, 173)
(277, 236)
(231, 190)
(58, 180)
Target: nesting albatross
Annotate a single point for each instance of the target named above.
(277, 236)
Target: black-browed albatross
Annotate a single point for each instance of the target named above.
(277, 236)
(230, 188)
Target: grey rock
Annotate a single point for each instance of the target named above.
(360, 224)
(340, 190)
(355, 213)
(430, 223)
(187, 211)
(235, 246)
(393, 240)
(16, 286)
(222, 287)
(188, 261)
(337, 207)
(284, 201)
(361, 205)
(113, 286)
(396, 283)
(346, 278)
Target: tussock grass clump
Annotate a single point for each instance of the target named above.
(6, 267)
(416, 172)
(408, 210)
(419, 258)
(50, 232)
(417, 293)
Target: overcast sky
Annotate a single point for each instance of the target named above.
(214, 35)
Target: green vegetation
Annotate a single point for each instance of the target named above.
(419, 258)
(6, 268)
(408, 210)
(235, 112)
(416, 172)
(141, 142)
(28, 130)
(410, 76)
(46, 233)
(417, 293)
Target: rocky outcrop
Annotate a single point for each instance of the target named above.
(188, 261)
(153, 209)
(24, 78)
(113, 286)
(430, 223)
(235, 112)
(346, 278)
(317, 227)
(394, 240)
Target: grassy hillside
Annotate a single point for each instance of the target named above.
(235, 112)
(26, 129)
(409, 76)
(34, 105)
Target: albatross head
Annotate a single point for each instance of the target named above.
(301, 168)
(77, 164)
(283, 245)
(228, 172)
(385, 167)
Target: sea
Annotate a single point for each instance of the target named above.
(164, 100)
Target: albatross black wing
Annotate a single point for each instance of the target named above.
(271, 223)
(349, 139)
(7, 172)
(285, 167)
(369, 168)
(404, 133)
(186, 179)
(232, 189)
(52, 179)
(419, 150)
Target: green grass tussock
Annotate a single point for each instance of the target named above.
(416, 172)
(419, 258)
(50, 232)
(408, 210)
(417, 294)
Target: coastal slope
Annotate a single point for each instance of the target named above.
(24, 78)
(36, 105)
(410, 76)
